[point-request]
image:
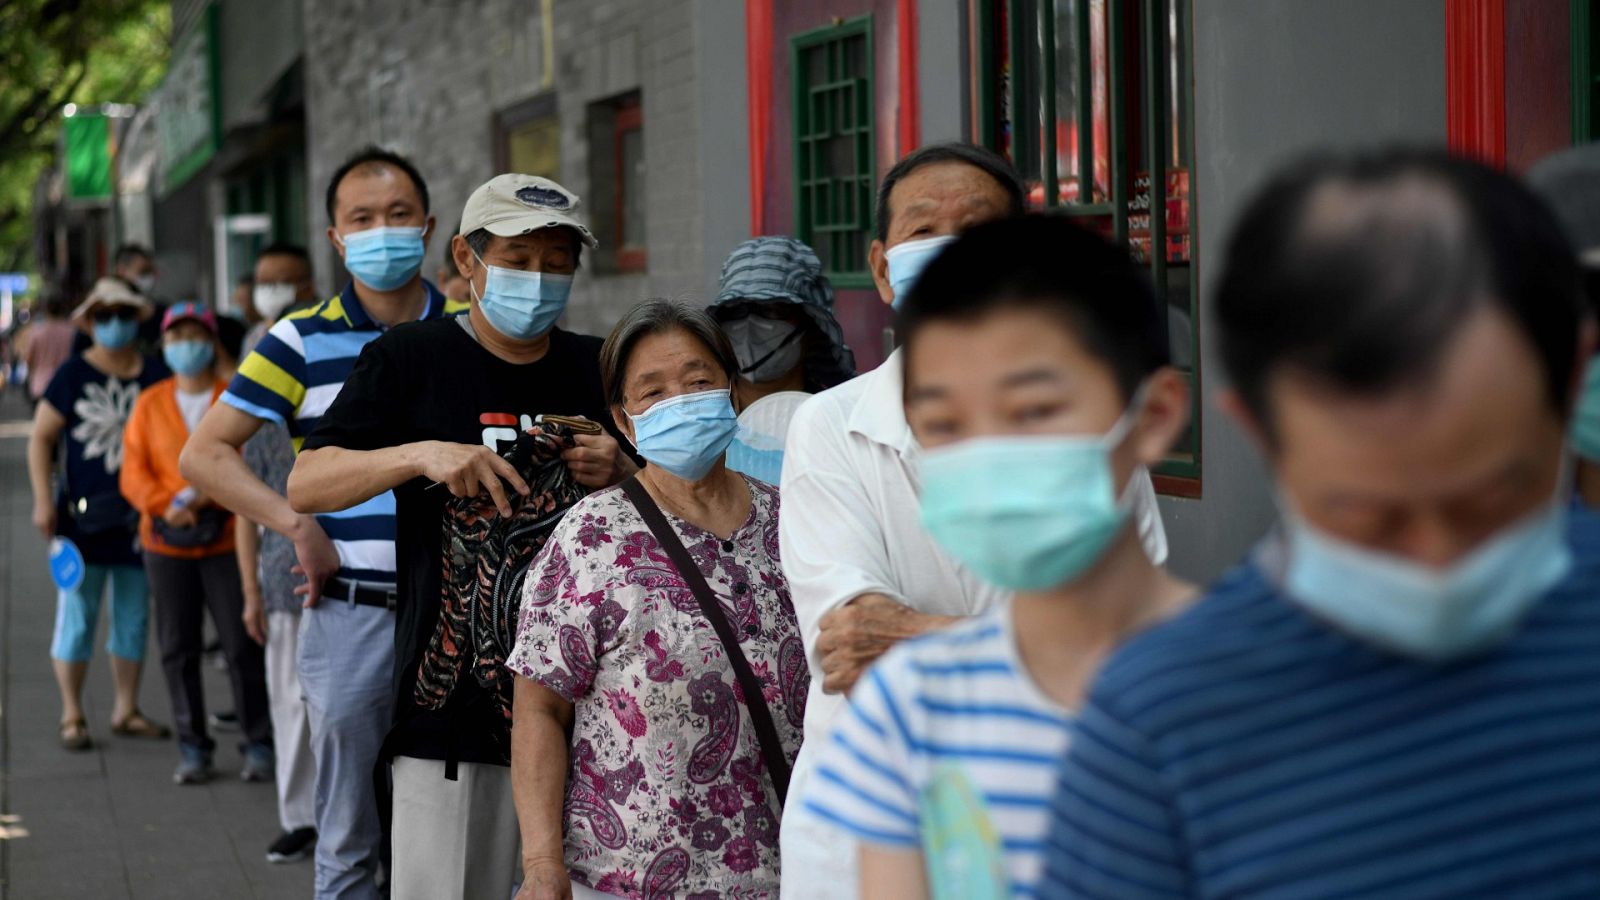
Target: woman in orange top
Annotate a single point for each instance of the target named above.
(188, 549)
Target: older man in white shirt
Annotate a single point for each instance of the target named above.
(863, 573)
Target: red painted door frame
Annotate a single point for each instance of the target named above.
(1475, 78)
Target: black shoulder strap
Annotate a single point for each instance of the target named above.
(754, 701)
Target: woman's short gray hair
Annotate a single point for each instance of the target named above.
(660, 316)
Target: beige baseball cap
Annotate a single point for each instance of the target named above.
(511, 204)
(113, 291)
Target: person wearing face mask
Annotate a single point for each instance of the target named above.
(266, 562)
(865, 573)
(377, 207)
(135, 264)
(188, 550)
(82, 414)
(661, 679)
(776, 307)
(471, 386)
(1398, 694)
(1569, 182)
(1038, 384)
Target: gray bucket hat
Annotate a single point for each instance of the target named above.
(1569, 182)
(775, 269)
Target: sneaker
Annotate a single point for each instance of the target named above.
(195, 767)
(224, 721)
(292, 846)
(259, 762)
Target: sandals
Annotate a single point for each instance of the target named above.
(75, 736)
(136, 725)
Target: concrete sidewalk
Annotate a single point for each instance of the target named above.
(108, 823)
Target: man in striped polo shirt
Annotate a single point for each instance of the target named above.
(378, 206)
(1398, 694)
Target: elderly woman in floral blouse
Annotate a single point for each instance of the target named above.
(662, 788)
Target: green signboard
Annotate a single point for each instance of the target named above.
(190, 104)
(87, 147)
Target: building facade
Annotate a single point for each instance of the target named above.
(689, 125)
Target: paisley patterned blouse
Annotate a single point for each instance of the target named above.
(667, 794)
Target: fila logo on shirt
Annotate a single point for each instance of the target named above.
(501, 428)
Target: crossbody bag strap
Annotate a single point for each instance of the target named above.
(754, 700)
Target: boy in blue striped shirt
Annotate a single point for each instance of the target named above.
(1398, 695)
(377, 205)
(1037, 382)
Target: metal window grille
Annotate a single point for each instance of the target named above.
(831, 71)
(1091, 100)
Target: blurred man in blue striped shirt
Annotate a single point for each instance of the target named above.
(1398, 695)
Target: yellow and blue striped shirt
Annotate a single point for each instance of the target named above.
(291, 378)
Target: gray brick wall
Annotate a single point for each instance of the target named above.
(425, 77)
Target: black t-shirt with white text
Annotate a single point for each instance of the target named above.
(432, 381)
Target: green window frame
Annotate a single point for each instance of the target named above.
(1088, 112)
(833, 112)
(1585, 71)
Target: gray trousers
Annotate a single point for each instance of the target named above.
(454, 840)
(182, 590)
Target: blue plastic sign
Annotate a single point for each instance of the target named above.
(66, 564)
(13, 282)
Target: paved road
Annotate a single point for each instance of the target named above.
(110, 823)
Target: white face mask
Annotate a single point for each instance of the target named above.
(272, 298)
(145, 283)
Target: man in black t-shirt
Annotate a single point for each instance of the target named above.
(427, 412)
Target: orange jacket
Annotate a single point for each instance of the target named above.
(151, 441)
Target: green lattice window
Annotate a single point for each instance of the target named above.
(1585, 71)
(833, 148)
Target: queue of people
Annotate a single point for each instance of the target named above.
(694, 610)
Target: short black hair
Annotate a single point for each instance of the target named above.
(128, 252)
(284, 248)
(246, 280)
(1052, 264)
(1358, 270)
(987, 161)
(376, 156)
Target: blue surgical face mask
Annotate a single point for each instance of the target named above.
(1584, 433)
(115, 334)
(686, 434)
(1432, 613)
(187, 357)
(522, 305)
(907, 260)
(1027, 512)
(383, 258)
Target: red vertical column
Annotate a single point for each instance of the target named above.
(1475, 78)
(758, 75)
(908, 124)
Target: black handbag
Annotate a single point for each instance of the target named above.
(754, 700)
(207, 529)
(101, 513)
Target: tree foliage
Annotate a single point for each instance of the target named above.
(55, 52)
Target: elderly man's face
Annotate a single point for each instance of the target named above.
(1431, 469)
(937, 199)
(550, 250)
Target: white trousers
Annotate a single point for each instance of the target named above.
(453, 840)
(291, 729)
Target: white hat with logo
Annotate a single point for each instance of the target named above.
(509, 205)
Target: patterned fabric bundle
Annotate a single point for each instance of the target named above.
(486, 557)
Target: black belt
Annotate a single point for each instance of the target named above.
(359, 594)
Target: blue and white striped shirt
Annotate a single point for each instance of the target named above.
(291, 378)
(948, 746)
(1248, 749)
